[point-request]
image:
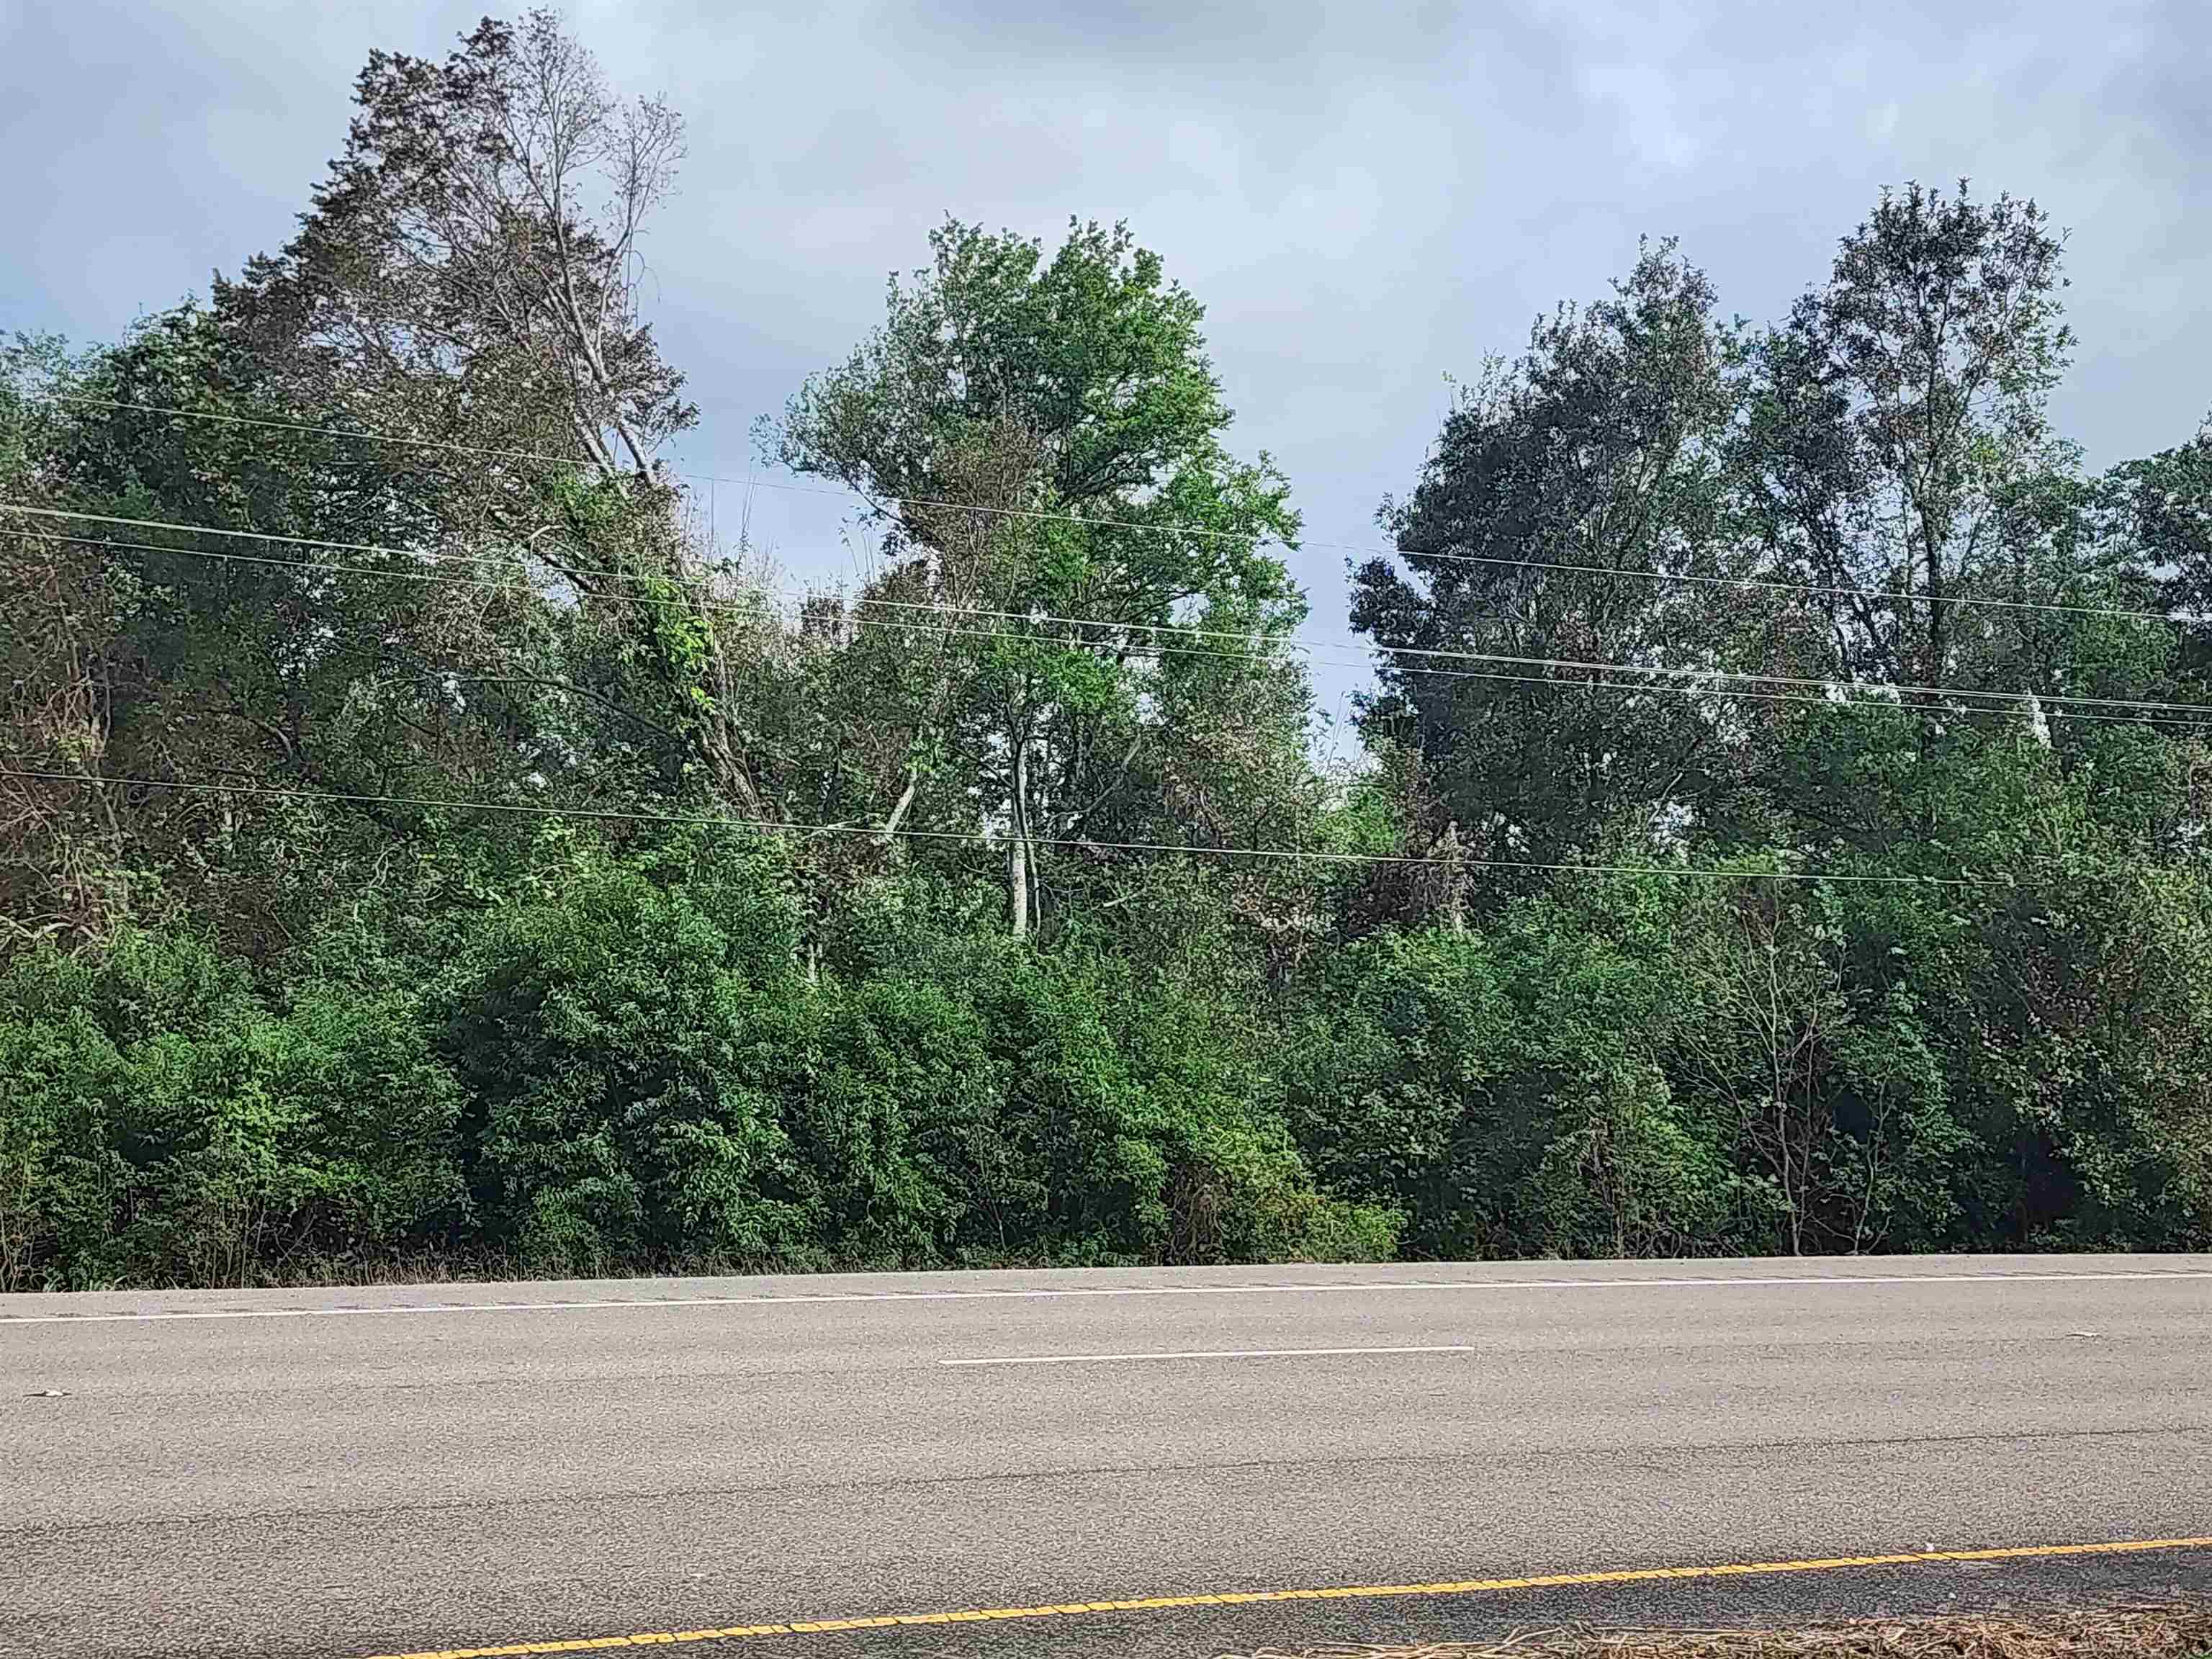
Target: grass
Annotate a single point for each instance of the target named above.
(2175, 1630)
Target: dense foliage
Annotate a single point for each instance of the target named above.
(1781, 827)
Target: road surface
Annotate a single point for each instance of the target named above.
(428, 1469)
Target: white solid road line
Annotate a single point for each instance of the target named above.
(1050, 1293)
(1191, 1353)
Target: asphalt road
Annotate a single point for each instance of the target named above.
(430, 1469)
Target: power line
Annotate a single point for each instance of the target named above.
(1770, 586)
(983, 838)
(414, 554)
(1390, 651)
(2140, 711)
(1890, 595)
(436, 578)
(1749, 677)
(1767, 584)
(1153, 650)
(307, 428)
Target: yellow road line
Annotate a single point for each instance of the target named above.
(1338, 1593)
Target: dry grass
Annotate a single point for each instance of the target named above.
(2174, 1632)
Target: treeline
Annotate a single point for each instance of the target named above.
(424, 847)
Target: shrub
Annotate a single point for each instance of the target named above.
(157, 1121)
(626, 1046)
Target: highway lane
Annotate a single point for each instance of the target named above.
(374, 1470)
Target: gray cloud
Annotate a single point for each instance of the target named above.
(1365, 198)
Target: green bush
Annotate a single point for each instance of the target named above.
(901, 1125)
(625, 1061)
(158, 1122)
(626, 1047)
(980, 1099)
(64, 1186)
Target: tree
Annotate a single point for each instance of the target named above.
(1896, 417)
(196, 658)
(65, 872)
(1041, 442)
(469, 272)
(469, 278)
(1897, 455)
(2163, 506)
(1563, 493)
(1768, 980)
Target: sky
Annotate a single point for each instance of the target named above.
(1369, 199)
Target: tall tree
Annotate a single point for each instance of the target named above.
(469, 271)
(468, 277)
(1898, 457)
(1563, 493)
(1041, 442)
(1899, 416)
(197, 659)
(2163, 503)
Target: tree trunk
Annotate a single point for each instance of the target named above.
(1455, 881)
(1018, 860)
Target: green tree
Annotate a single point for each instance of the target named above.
(469, 278)
(196, 658)
(1895, 419)
(1563, 493)
(1004, 384)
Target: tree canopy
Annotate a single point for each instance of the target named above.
(1779, 826)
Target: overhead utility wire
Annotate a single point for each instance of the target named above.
(1755, 582)
(1888, 594)
(273, 425)
(1392, 652)
(979, 838)
(1147, 651)
(1749, 677)
(1143, 652)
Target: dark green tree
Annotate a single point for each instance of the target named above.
(1564, 492)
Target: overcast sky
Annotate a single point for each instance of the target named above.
(1367, 197)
